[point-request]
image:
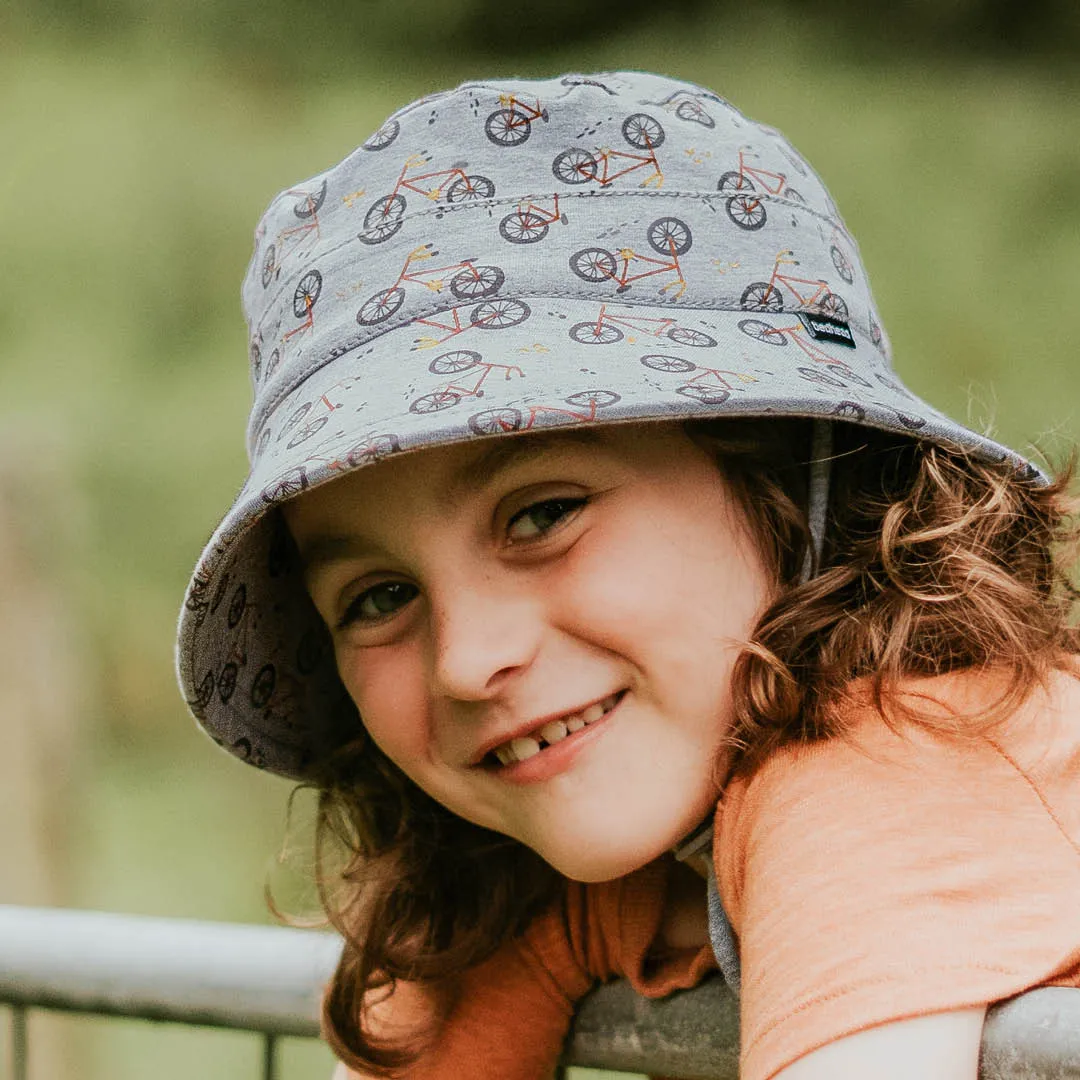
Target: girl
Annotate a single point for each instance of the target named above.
(587, 521)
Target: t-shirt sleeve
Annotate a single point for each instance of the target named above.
(889, 874)
(513, 1011)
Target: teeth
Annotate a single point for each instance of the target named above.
(593, 713)
(553, 731)
(524, 748)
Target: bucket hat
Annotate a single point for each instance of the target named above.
(504, 257)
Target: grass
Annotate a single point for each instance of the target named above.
(130, 185)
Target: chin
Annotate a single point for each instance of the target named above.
(595, 859)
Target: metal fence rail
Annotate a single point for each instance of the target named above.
(269, 980)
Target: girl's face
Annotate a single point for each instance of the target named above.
(539, 630)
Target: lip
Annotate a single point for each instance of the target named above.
(530, 726)
(556, 757)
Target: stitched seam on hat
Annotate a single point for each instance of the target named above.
(601, 193)
(713, 304)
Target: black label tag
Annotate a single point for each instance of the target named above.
(826, 328)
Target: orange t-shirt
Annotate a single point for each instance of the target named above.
(881, 875)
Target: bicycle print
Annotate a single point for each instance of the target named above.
(668, 236)
(512, 124)
(306, 208)
(460, 362)
(467, 281)
(501, 421)
(744, 207)
(530, 222)
(385, 216)
(608, 328)
(709, 387)
(641, 131)
(769, 295)
(498, 313)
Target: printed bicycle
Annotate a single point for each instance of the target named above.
(467, 282)
(512, 124)
(608, 328)
(769, 296)
(668, 236)
(384, 216)
(458, 362)
(306, 208)
(641, 131)
(498, 313)
(743, 207)
(501, 421)
(530, 222)
(710, 387)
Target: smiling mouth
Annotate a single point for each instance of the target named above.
(554, 731)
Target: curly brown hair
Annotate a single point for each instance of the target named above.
(934, 562)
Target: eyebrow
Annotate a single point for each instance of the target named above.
(505, 452)
(324, 549)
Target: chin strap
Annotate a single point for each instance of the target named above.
(817, 502)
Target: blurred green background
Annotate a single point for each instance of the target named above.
(141, 141)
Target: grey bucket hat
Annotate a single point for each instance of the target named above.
(504, 257)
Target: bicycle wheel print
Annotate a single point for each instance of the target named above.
(298, 415)
(499, 314)
(367, 453)
(670, 364)
(705, 395)
(642, 131)
(842, 264)
(255, 359)
(495, 421)
(470, 189)
(272, 363)
(205, 692)
(307, 292)
(731, 182)
(833, 306)
(381, 306)
(762, 331)
(849, 410)
(815, 375)
(286, 485)
(593, 264)
(691, 110)
(575, 166)
(308, 205)
(598, 399)
(669, 236)
(477, 282)
(747, 211)
(454, 362)
(591, 333)
(269, 266)
(226, 683)
(262, 687)
(237, 606)
(507, 127)
(309, 429)
(382, 138)
(794, 196)
(846, 373)
(429, 403)
(683, 335)
(761, 296)
(383, 219)
(523, 227)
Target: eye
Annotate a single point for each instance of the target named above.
(377, 602)
(539, 518)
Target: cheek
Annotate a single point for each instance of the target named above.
(386, 687)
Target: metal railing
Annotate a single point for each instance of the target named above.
(269, 980)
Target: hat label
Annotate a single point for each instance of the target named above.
(826, 328)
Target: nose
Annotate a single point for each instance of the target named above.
(484, 634)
